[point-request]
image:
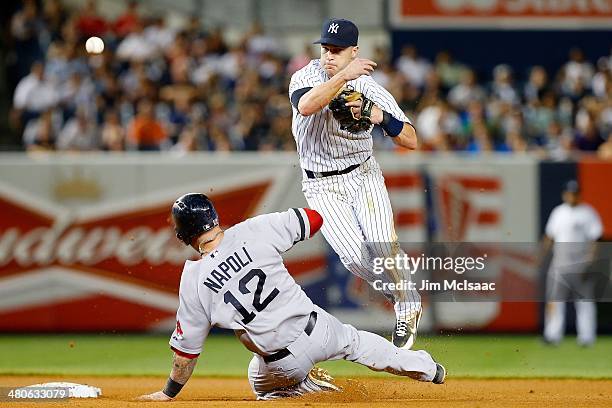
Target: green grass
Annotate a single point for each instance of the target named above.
(463, 355)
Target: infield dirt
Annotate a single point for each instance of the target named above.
(359, 392)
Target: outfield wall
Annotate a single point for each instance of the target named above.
(86, 245)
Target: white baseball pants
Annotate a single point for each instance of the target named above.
(332, 340)
(565, 283)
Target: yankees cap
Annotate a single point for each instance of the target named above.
(339, 32)
(572, 186)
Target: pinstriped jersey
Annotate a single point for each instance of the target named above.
(321, 144)
(244, 285)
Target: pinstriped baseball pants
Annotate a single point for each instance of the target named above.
(358, 223)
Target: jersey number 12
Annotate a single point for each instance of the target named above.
(247, 316)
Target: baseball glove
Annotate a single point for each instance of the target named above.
(344, 114)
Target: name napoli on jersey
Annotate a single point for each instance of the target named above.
(221, 273)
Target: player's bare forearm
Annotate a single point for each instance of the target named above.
(407, 138)
(546, 244)
(321, 95)
(545, 248)
(182, 368)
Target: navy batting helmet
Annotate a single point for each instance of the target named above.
(193, 214)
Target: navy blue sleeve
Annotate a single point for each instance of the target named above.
(297, 94)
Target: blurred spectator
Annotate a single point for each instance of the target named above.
(449, 71)
(219, 140)
(250, 128)
(179, 116)
(279, 137)
(34, 94)
(194, 91)
(558, 144)
(158, 34)
(89, 23)
(299, 61)
(57, 67)
(437, 126)
(79, 134)
(602, 80)
(77, 92)
(145, 132)
(187, 141)
(503, 87)
(413, 67)
(576, 72)
(259, 43)
(587, 137)
(565, 112)
(515, 142)
(537, 84)
(215, 42)
(25, 28)
(466, 91)
(136, 46)
(193, 30)
(54, 16)
(605, 116)
(113, 134)
(605, 149)
(128, 21)
(42, 133)
(482, 141)
(26, 24)
(538, 116)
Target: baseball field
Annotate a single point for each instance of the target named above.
(493, 370)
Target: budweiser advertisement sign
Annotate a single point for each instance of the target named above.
(86, 243)
(558, 14)
(116, 271)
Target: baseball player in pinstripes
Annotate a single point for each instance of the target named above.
(241, 283)
(342, 180)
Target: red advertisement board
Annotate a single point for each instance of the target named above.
(558, 14)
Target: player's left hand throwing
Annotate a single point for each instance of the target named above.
(158, 396)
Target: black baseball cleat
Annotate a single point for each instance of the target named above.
(440, 374)
(405, 332)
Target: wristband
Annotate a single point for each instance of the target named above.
(392, 126)
(172, 388)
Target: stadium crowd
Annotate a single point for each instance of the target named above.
(158, 88)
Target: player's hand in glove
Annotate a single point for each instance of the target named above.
(158, 396)
(353, 110)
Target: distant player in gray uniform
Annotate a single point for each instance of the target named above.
(241, 283)
(572, 230)
(342, 180)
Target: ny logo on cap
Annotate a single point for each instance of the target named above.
(333, 28)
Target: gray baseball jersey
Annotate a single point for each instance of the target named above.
(321, 144)
(244, 285)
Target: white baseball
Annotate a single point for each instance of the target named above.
(94, 45)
